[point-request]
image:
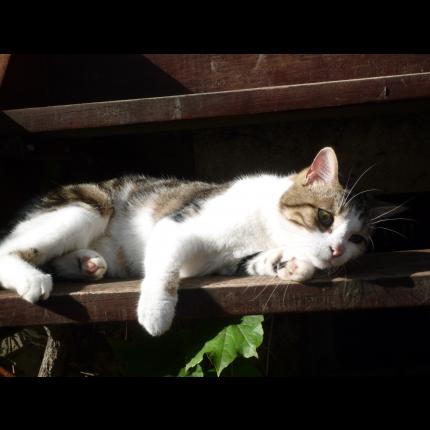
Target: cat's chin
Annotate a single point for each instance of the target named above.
(332, 263)
(319, 263)
(323, 265)
(328, 264)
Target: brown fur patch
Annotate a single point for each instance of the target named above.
(88, 194)
(171, 290)
(31, 255)
(165, 196)
(115, 184)
(184, 199)
(121, 259)
(301, 202)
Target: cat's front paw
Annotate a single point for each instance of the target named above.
(34, 286)
(295, 270)
(156, 310)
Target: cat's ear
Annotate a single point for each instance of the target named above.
(324, 167)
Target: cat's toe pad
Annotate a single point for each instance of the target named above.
(296, 270)
(93, 267)
(35, 287)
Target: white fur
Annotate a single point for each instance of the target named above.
(52, 233)
(31, 284)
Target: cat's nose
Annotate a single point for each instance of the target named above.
(337, 251)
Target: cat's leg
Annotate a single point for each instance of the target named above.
(170, 246)
(275, 262)
(31, 284)
(40, 238)
(83, 264)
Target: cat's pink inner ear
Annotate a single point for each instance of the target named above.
(324, 167)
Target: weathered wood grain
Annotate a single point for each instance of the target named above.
(4, 60)
(225, 72)
(385, 280)
(62, 79)
(223, 104)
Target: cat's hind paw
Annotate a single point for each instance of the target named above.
(93, 267)
(82, 265)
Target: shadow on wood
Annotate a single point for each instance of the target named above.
(385, 280)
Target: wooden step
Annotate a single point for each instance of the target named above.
(4, 61)
(223, 104)
(374, 281)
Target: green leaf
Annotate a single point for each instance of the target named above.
(236, 339)
(197, 372)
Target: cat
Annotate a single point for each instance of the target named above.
(166, 229)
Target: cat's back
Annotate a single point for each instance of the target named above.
(162, 196)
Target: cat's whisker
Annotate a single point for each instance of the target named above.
(361, 192)
(391, 219)
(371, 241)
(342, 199)
(392, 209)
(394, 231)
(345, 277)
(271, 294)
(285, 293)
(359, 178)
(345, 190)
(272, 278)
(246, 289)
(259, 294)
(349, 177)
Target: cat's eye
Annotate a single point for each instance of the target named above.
(357, 238)
(325, 218)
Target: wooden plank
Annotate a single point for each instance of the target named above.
(383, 280)
(45, 80)
(4, 61)
(225, 72)
(223, 104)
(62, 79)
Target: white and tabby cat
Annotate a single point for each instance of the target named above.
(164, 229)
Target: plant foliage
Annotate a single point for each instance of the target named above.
(234, 340)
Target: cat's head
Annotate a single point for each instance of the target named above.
(330, 224)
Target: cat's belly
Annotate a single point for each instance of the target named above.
(123, 245)
(201, 264)
(217, 262)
